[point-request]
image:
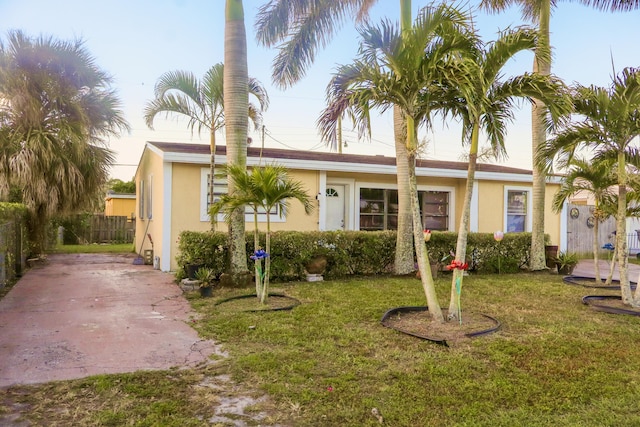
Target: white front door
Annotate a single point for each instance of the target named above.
(335, 207)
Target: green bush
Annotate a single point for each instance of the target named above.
(206, 249)
(352, 252)
(14, 241)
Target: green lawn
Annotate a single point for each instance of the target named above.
(329, 362)
(93, 248)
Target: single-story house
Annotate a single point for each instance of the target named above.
(352, 192)
(120, 204)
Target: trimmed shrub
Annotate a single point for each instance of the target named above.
(352, 252)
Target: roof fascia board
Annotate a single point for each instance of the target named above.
(347, 167)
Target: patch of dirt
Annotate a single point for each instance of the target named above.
(420, 323)
(617, 305)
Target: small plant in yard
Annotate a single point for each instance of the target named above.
(268, 189)
(207, 277)
(566, 261)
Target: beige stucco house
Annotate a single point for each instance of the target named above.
(352, 192)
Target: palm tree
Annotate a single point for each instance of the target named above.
(402, 68)
(484, 102)
(201, 102)
(607, 124)
(56, 112)
(236, 106)
(540, 12)
(299, 28)
(597, 179)
(267, 189)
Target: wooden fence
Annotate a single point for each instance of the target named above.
(105, 229)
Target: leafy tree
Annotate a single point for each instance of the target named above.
(608, 124)
(202, 103)
(119, 186)
(57, 110)
(299, 28)
(539, 11)
(484, 101)
(404, 68)
(266, 189)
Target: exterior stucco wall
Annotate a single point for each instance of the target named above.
(296, 218)
(150, 173)
(120, 207)
(491, 207)
(552, 220)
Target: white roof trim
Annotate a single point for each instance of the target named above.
(316, 165)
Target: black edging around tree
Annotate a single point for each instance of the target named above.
(440, 341)
(294, 302)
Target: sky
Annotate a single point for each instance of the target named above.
(136, 41)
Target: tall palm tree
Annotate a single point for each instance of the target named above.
(267, 189)
(539, 11)
(485, 102)
(608, 124)
(202, 103)
(403, 68)
(236, 106)
(56, 112)
(299, 28)
(597, 179)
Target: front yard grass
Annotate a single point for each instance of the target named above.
(93, 248)
(329, 362)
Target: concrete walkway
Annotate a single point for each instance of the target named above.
(85, 314)
(585, 268)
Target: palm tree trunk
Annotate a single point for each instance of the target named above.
(256, 245)
(212, 170)
(236, 107)
(621, 232)
(404, 261)
(463, 228)
(596, 248)
(418, 237)
(267, 262)
(539, 135)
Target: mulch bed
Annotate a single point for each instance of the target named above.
(417, 321)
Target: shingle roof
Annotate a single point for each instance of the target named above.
(276, 153)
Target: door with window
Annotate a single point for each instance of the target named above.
(335, 207)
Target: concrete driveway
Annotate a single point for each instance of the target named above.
(85, 314)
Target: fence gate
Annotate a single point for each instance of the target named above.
(580, 223)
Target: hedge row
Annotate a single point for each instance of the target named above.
(353, 252)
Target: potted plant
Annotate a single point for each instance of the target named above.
(315, 263)
(566, 262)
(207, 277)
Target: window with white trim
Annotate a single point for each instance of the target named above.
(221, 187)
(379, 209)
(517, 217)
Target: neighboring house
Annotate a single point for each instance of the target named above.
(119, 204)
(352, 192)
